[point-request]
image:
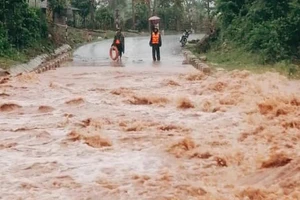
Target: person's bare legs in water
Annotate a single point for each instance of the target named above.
(120, 51)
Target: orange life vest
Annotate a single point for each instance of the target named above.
(155, 38)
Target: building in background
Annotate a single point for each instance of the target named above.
(38, 3)
(68, 13)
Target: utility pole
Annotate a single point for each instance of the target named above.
(92, 9)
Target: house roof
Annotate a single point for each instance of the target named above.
(44, 4)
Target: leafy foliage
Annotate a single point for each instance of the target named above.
(57, 5)
(4, 44)
(20, 25)
(142, 16)
(269, 28)
(172, 13)
(104, 18)
(84, 6)
(116, 4)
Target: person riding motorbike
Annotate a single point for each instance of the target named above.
(185, 35)
(186, 32)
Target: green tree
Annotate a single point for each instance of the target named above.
(104, 18)
(117, 4)
(84, 8)
(4, 44)
(142, 15)
(172, 13)
(270, 28)
(22, 24)
(57, 7)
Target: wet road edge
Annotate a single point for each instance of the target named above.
(196, 62)
(41, 63)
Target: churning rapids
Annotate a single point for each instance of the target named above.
(149, 132)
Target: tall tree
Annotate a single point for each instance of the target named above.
(20, 25)
(172, 13)
(270, 28)
(84, 8)
(57, 6)
(104, 18)
(208, 4)
(92, 11)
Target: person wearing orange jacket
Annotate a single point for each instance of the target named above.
(155, 43)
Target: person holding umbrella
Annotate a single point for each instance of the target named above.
(155, 42)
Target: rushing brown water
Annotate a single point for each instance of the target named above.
(148, 132)
(151, 133)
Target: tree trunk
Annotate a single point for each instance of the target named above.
(92, 14)
(149, 15)
(154, 7)
(177, 24)
(133, 14)
(208, 9)
(74, 19)
(53, 16)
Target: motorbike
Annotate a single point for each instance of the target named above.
(184, 37)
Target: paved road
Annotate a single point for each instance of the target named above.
(137, 53)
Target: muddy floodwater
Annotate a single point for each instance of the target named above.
(148, 131)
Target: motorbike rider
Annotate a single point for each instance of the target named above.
(155, 42)
(119, 42)
(184, 37)
(186, 33)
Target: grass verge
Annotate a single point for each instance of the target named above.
(15, 57)
(230, 58)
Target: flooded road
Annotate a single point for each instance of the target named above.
(148, 131)
(138, 53)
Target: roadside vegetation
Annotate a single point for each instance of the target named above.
(258, 35)
(27, 31)
(20, 28)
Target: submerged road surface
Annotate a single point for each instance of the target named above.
(138, 130)
(137, 53)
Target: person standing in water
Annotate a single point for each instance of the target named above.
(119, 42)
(155, 43)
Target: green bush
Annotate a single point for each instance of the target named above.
(4, 44)
(104, 18)
(269, 28)
(22, 26)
